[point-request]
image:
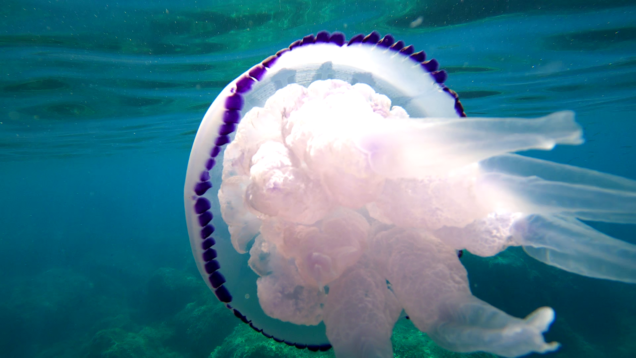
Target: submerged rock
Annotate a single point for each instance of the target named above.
(201, 326)
(117, 343)
(246, 343)
(167, 292)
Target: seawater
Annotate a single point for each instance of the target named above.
(100, 104)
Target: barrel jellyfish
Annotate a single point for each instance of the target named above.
(331, 187)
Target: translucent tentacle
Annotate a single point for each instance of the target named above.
(282, 293)
(519, 165)
(535, 195)
(432, 286)
(473, 325)
(573, 246)
(360, 313)
(415, 148)
(485, 237)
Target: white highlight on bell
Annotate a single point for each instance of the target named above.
(348, 192)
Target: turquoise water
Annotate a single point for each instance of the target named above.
(100, 105)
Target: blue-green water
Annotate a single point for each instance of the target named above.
(100, 105)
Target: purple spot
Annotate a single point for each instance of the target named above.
(216, 279)
(206, 244)
(300, 346)
(418, 56)
(222, 140)
(308, 40)
(450, 92)
(431, 66)
(207, 231)
(324, 347)
(205, 218)
(281, 52)
(267, 335)
(279, 340)
(212, 266)
(257, 72)
(210, 164)
(209, 255)
(459, 109)
(223, 294)
(234, 101)
(356, 39)
(294, 44)
(202, 205)
(397, 46)
(337, 38)
(231, 116)
(460, 253)
(313, 347)
(238, 315)
(458, 106)
(202, 187)
(371, 38)
(244, 84)
(322, 36)
(387, 41)
(205, 176)
(439, 76)
(259, 330)
(270, 61)
(227, 128)
(408, 50)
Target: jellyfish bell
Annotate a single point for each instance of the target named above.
(332, 186)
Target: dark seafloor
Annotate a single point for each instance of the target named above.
(101, 101)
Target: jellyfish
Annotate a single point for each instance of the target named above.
(330, 187)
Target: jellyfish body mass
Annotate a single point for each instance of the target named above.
(330, 187)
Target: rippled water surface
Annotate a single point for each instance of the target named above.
(101, 101)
